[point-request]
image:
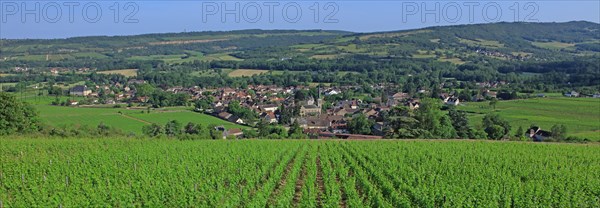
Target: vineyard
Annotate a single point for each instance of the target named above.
(261, 173)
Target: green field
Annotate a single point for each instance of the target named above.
(5, 75)
(246, 72)
(128, 120)
(553, 45)
(481, 43)
(124, 72)
(114, 172)
(580, 115)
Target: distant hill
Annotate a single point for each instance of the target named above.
(456, 44)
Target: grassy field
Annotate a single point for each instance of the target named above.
(553, 45)
(5, 75)
(129, 120)
(482, 43)
(246, 72)
(192, 56)
(456, 61)
(167, 58)
(124, 72)
(327, 56)
(221, 57)
(580, 115)
(212, 73)
(344, 73)
(113, 172)
(393, 34)
(89, 55)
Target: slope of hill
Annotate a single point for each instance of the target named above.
(480, 52)
(507, 41)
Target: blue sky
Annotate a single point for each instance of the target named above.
(60, 19)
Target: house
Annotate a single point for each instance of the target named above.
(268, 108)
(338, 124)
(310, 110)
(233, 132)
(314, 123)
(110, 102)
(235, 119)
(224, 115)
(80, 90)
(397, 99)
(21, 69)
(269, 117)
(371, 113)
(572, 94)
(477, 98)
(332, 92)
(537, 134)
(141, 99)
(378, 128)
(400, 96)
(597, 95)
(412, 104)
(491, 94)
(444, 96)
(351, 104)
(220, 128)
(228, 91)
(452, 101)
(54, 71)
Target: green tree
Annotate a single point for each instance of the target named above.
(16, 116)
(204, 103)
(432, 119)
(360, 125)
(103, 129)
(491, 122)
(446, 130)
(559, 132)
(153, 130)
(285, 114)
(460, 122)
(519, 132)
(173, 128)
(191, 128)
(144, 89)
(295, 129)
(493, 103)
(214, 132)
(403, 124)
(478, 134)
(495, 132)
(250, 133)
(263, 128)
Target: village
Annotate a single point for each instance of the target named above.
(320, 112)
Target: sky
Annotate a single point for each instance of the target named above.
(62, 19)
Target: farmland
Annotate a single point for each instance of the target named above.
(129, 120)
(259, 173)
(553, 45)
(124, 72)
(246, 72)
(580, 115)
